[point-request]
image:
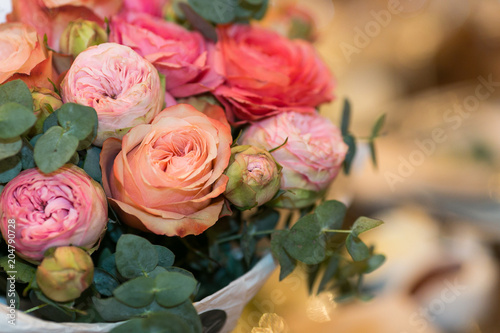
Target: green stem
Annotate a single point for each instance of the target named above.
(238, 236)
(338, 231)
(36, 308)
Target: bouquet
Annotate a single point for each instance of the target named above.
(153, 151)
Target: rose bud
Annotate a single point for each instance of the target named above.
(62, 208)
(45, 102)
(123, 88)
(311, 158)
(79, 35)
(65, 274)
(254, 177)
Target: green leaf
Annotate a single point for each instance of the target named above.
(346, 118)
(329, 273)
(189, 314)
(78, 120)
(132, 325)
(27, 158)
(91, 164)
(173, 288)
(379, 124)
(198, 22)
(18, 92)
(15, 119)
(217, 11)
(10, 168)
(104, 282)
(135, 256)
(306, 241)
(330, 214)
(363, 224)
(10, 147)
(287, 263)
(25, 272)
(137, 292)
(166, 258)
(350, 141)
(164, 322)
(53, 149)
(111, 309)
(374, 262)
(50, 121)
(358, 250)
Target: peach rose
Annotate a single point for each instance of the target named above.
(22, 56)
(103, 8)
(267, 74)
(167, 177)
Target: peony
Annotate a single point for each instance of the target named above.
(23, 56)
(311, 158)
(151, 7)
(183, 56)
(119, 84)
(254, 177)
(167, 177)
(63, 208)
(267, 74)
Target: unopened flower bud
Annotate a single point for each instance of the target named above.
(81, 34)
(65, 274)
(254, 177)
(45, 102)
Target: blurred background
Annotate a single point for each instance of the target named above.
(433, 67)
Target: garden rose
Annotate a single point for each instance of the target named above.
(80, 35)
(45, 101)
(66, 207)
(167, 177)
(183, 56)
(267, 74)
(311, 158)
(65, 274)
(119, 84)
(23, 56)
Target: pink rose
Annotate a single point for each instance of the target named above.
(23, 56)
(167, 177)
(267, 74)
(183, 56)
(50, 22)
(119, 84)
(151, 7)
(63, 208)
(311, 158)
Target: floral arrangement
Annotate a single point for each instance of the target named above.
(152, 151)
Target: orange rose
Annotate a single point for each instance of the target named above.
(22, 56)
(167, 177)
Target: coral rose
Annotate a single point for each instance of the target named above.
(311, 158)
(63, 208)
(183, 56)
(167, 177)
(122, 87)
(267, 74)
(23, 56)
